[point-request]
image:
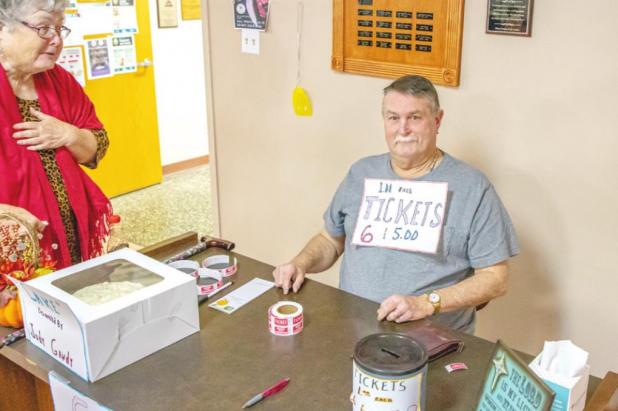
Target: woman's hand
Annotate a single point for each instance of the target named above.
(25, 216)
(49, 133)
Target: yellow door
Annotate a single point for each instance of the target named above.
(125, 103)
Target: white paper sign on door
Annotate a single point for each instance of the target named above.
(401, 214)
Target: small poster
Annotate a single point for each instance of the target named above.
(73, 20)
(96, 17)
(98, 58)
(72, 60)
(124, 16)
(123, 52)
(401, 214)
(190, 9)
(251, 14)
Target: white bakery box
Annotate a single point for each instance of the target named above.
(95, 340)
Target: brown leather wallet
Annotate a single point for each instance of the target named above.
(437, 340)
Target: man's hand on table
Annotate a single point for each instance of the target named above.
(401, 308)
(289, 276)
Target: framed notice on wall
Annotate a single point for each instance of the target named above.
(167, 13)
(391, 38)
(512, 17)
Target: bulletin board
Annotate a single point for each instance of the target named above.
(392, 38)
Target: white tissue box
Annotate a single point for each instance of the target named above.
(570, 392)
(96, 340)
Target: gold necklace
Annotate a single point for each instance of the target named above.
(425, 168)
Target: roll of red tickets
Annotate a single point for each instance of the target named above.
(186, 266)
(221, 264)
(208, 285)
(285, 318)
(207, 281)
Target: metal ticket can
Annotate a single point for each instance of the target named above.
(389, 373)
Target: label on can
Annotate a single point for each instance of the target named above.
(373, 393)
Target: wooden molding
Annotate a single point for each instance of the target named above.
(184, 165)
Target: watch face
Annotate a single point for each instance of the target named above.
(434, 298)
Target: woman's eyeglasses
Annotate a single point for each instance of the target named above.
(47, 32)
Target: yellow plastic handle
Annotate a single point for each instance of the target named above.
(301, 102)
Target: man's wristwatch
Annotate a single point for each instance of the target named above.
(435, 300)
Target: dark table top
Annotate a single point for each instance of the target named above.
(234, 357)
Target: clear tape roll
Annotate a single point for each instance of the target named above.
(285, 318)
(209, 265)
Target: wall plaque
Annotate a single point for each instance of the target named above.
(512, 17)
(428, 34)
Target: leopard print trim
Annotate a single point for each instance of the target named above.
(102, 145)
(48, 158)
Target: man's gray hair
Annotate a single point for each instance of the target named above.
(417, 86)
(12, 11)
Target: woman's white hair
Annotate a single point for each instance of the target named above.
(12, 11)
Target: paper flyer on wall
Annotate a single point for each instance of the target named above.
(124, 16)
(98, 58)
(96, 17)
(72, 19)
(190, 9)
(251, 14)
(72, 60)
(123, 53)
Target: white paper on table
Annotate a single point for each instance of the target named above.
(66, 397)
(242, 295)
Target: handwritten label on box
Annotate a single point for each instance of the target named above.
(51, 325)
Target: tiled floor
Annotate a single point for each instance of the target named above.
(181, 203)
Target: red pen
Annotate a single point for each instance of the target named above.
(267, 393)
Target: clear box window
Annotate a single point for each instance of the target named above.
(107, 282)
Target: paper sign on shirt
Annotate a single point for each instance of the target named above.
(68, 398)
(400, 214)
(51, 325)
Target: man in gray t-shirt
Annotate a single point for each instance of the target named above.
(377, 229)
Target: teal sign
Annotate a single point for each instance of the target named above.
(510, 385)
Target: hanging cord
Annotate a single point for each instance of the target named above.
(299, 30)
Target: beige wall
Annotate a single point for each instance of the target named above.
(537, 115)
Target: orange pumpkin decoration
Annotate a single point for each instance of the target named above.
(10, 314)
(20, 258)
